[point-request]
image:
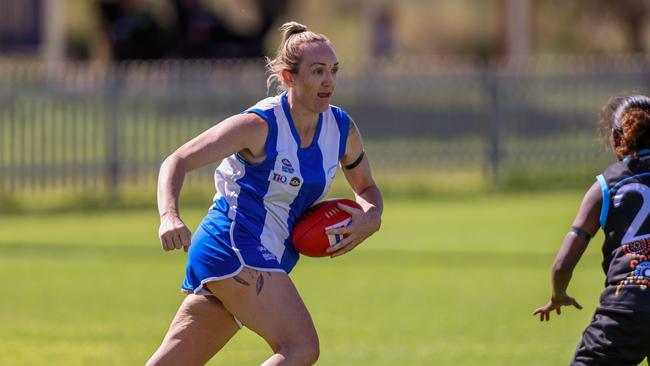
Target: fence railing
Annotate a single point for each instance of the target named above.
(83, 129)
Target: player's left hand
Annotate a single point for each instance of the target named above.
(555, 304)
(361, 226)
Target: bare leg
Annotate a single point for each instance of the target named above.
(201, 327)
(269, 304)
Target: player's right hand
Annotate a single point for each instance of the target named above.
(173, 233)
(555, 304)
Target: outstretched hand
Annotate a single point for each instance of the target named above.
(362, 225)
(555, 304)
(173, 233)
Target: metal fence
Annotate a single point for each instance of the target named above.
(87, 130)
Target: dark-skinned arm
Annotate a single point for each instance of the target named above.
(574, 245)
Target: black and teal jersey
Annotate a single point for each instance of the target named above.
(625, 221)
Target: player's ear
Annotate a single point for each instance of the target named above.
(288, 78)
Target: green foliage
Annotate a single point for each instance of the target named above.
(448, 281)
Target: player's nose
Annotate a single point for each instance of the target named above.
(329, 79)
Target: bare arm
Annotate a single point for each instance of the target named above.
(573, 246)
(367, 221)
(244, 133)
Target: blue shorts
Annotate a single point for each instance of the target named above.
(213, 257)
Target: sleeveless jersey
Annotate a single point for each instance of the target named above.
(625, 221)
(264, 200)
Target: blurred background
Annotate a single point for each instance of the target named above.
(479, 119)
(451, 95)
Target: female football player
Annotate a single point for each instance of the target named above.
(619, 203)
(278, 159)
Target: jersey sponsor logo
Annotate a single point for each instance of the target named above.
(287, 167)
(279, 178)
(286, 162)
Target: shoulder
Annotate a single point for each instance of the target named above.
(594, 193)
(345, 123)
(340, 115)
(265, 108)
(615, 173)
(254, 120)
(268, 103)
(617, 167)
(261, 115)
(592, 200)
(249, 124)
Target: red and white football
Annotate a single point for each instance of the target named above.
(309, 236)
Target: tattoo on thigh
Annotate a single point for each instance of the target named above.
(241, 280)
(260, 284)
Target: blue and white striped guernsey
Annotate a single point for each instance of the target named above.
(264, 200)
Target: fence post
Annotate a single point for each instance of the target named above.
(9, 185)
(492, 158)
(112, 162)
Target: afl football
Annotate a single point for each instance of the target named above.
(309, 237)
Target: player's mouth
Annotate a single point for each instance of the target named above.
(324, 95)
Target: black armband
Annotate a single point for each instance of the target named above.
(356, 162)
(581, 233)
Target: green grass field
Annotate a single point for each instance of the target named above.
(447, 281)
